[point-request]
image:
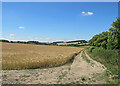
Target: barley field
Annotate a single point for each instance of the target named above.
(27, 56)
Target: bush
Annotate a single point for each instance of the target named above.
(91, 48)
(108, 57)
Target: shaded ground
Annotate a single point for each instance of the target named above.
(80, 71)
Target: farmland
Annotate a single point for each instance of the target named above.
(26, 56)
(73, 43)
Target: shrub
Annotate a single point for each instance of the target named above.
(108, 57)
(91, 48)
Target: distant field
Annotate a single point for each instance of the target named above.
(77, 43)
(23, 56)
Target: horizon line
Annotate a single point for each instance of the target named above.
(44, 41)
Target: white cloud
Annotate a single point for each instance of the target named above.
(90, 13)
(21, 27)
(87, 13)
(83, 12)
(11, 35)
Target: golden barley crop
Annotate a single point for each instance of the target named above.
(23, 56)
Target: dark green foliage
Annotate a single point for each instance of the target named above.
(108, 40)
(114, 35)
(11, 42)
(4, 41)
(29, 42)
(106, 47)
(45, 43)
(80, 41)
(99, 40)
(91, 48)
(107, 57)
(83, 79)
(110, 56)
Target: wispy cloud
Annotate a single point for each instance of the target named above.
(21, 27)
(83, 12)
(87, 13)
(11, 35)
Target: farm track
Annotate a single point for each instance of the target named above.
(80, 70)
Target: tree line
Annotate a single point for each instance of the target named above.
(43, 43)
(109, 39)
(105, 47)
(29, 42)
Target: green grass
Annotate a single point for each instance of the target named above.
(85, 58)
(83, 79)
(63, 75)
(110, 60)
(107, 57)
(69, 68)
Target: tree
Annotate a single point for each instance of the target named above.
(114, 35)
(108, 40)
(4, 41)
(99, 40)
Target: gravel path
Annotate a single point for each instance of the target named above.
(80, 71)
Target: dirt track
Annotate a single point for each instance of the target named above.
(80, 71)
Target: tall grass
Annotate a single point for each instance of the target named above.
(85, 58)
(108, 57)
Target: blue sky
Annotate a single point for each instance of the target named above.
(54, 21)
(60, 0)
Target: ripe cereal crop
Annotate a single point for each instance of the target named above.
(29, 56)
